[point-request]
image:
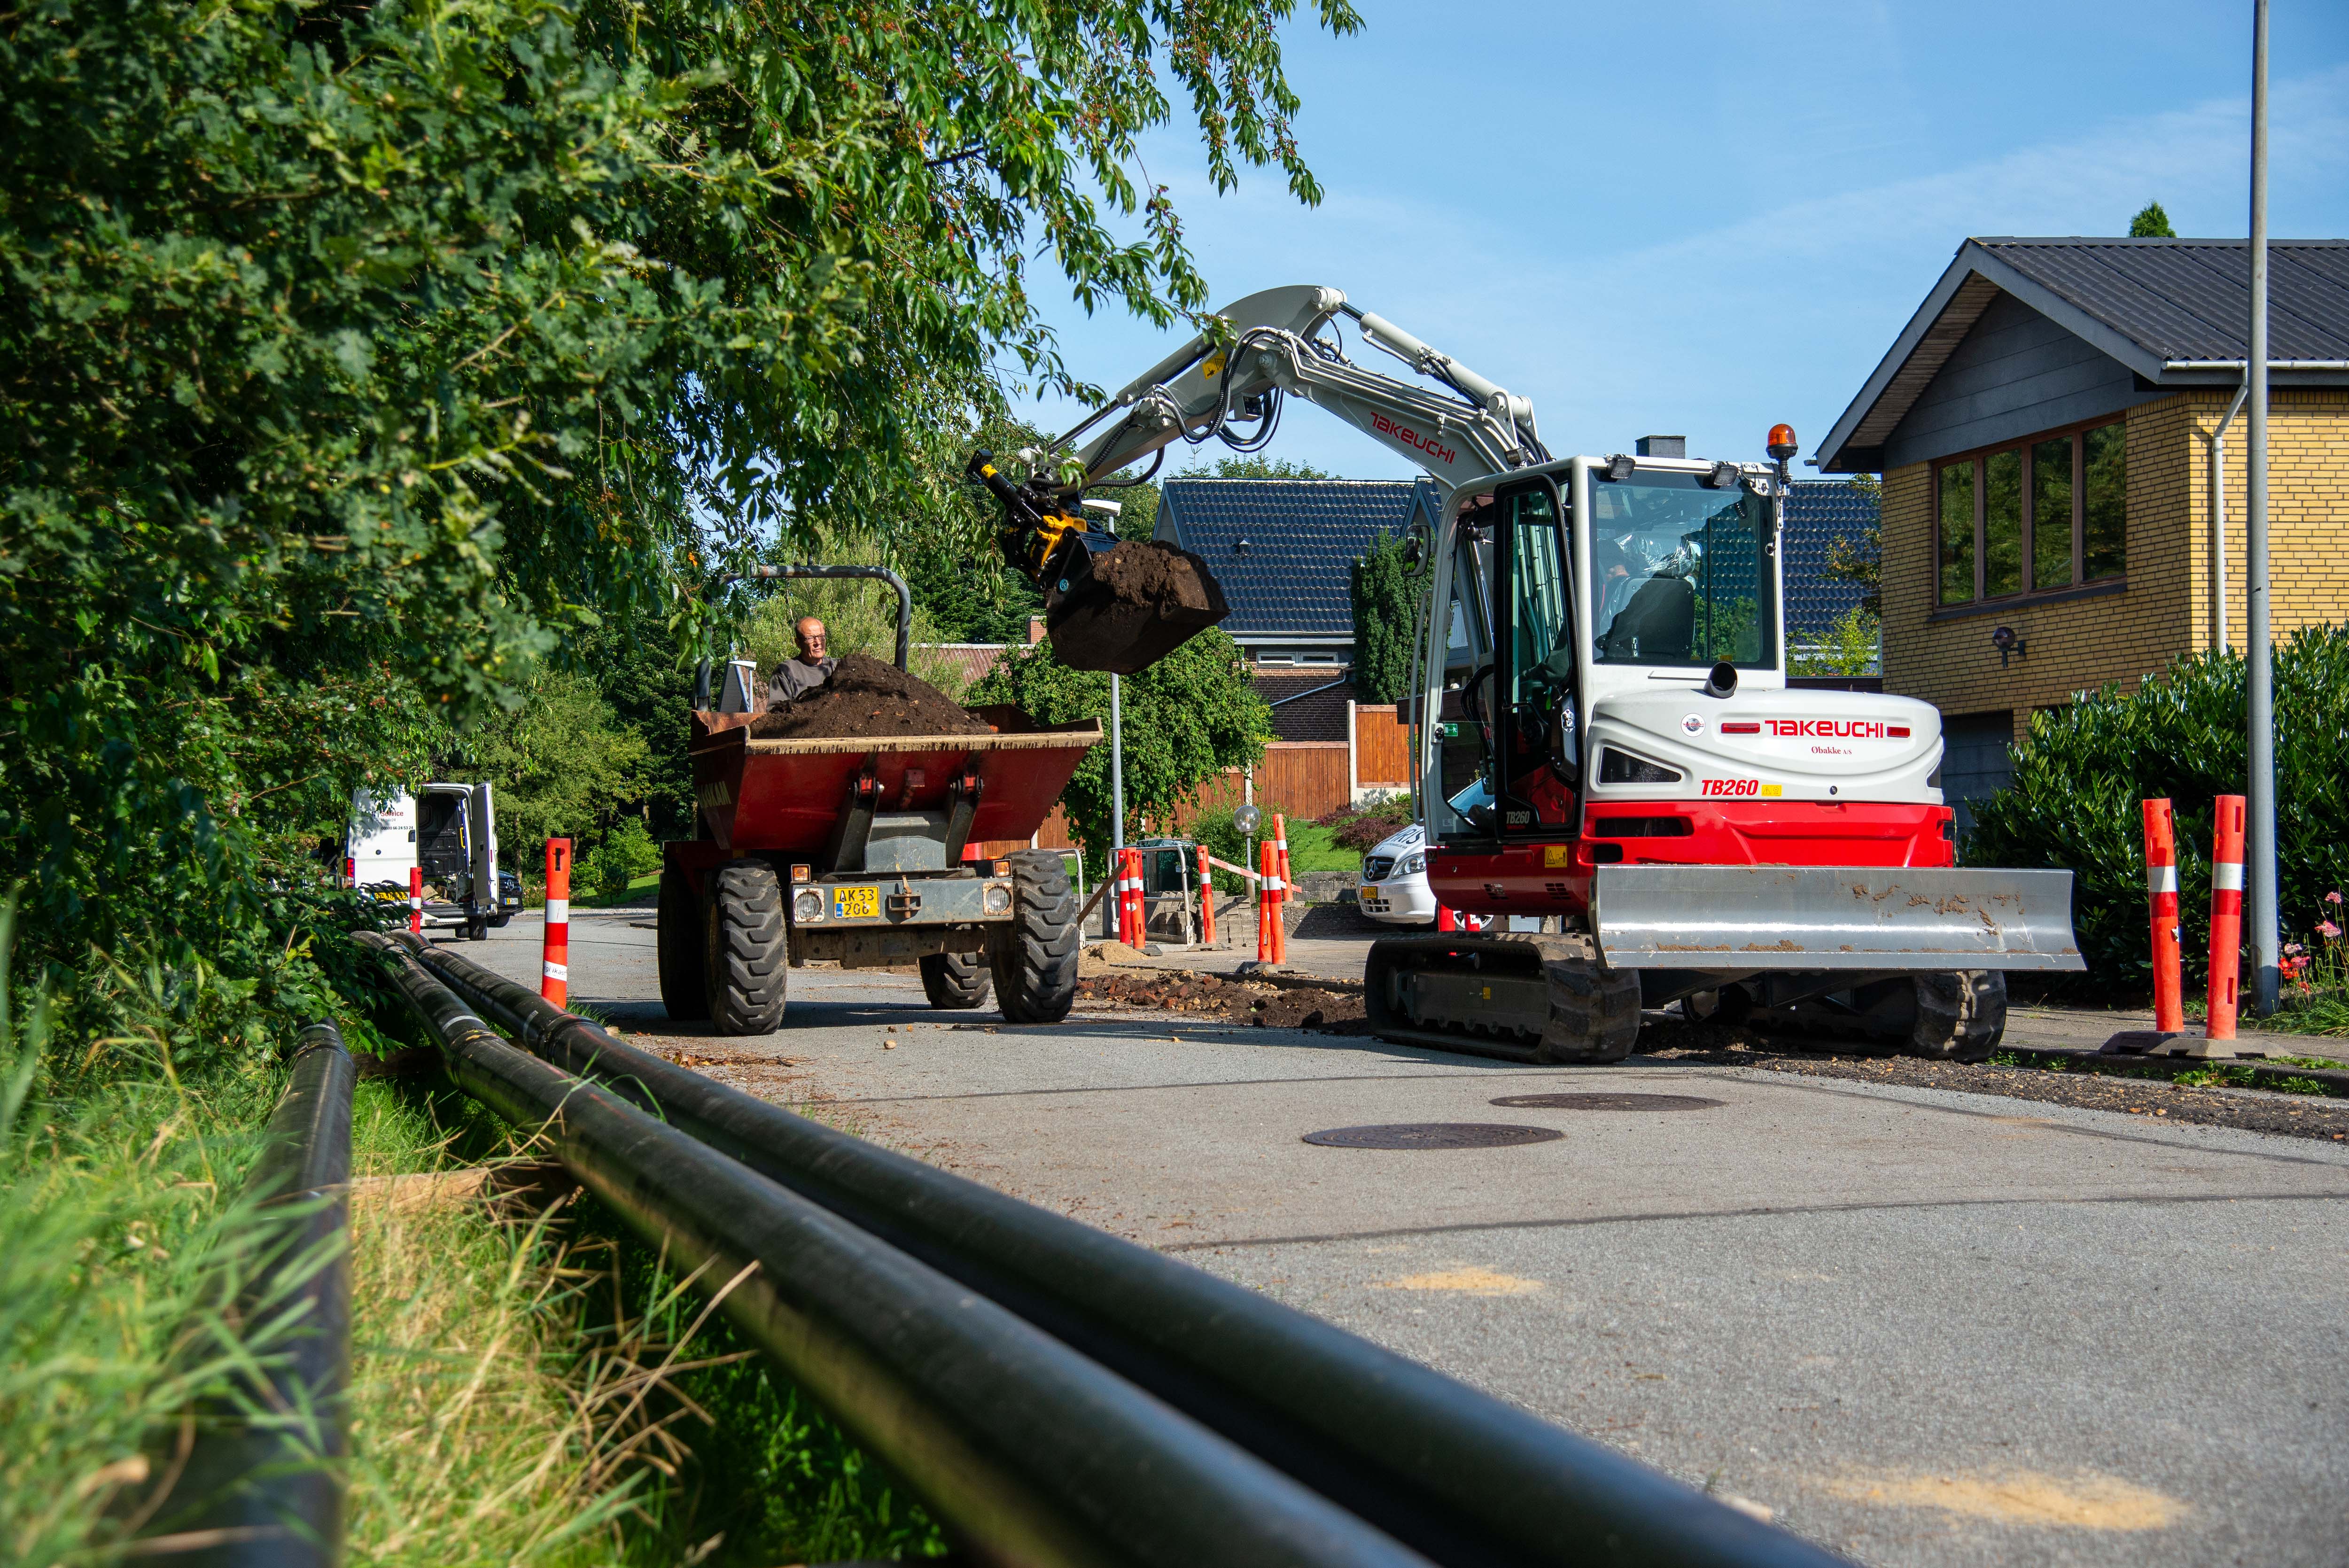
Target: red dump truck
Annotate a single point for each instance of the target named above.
(852, 849)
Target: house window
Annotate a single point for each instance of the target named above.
(2043, 515)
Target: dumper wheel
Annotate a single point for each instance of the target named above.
(1035, 955)
(745, 961)
(1960, 1018)
(956, 979)
(678, 941)
(1594, 1012)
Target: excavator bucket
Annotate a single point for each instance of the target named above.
(1123, 608)
(1755, 918)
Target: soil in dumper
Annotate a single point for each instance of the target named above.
(866, 696)
(1229, 1001)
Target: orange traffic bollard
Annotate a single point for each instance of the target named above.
(1129, 897)
(554, 969)
(2226, 917)
(1280, 909)
(2161, 895)
(1265, 882)
(1444, 919)
(1206, 901)
(416, 898)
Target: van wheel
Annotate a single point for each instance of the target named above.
(1034, 955)
(956, 980)
(678, 940)
(747, 957)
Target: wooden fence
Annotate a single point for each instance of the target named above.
(1306, 778)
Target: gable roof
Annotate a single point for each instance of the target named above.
(1817, 513)
(2175, 312)
(1282, 548)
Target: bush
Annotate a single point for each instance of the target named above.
(627, 853)
(2080, 777)
(1364, 827)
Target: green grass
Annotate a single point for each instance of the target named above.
(650, 880)
(1314, 848)
(524, 1388)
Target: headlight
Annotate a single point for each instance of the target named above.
(997, 899)
(807, 905)
(1411, 864)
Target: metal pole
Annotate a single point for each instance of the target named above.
(2219, 517)
(2267, 980)
(1116, 790)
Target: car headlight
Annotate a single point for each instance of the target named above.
(997, 899)
(1411, 864)
(807, 905)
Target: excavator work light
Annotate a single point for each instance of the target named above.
(1783, 445)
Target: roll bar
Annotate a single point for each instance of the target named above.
(879, 573)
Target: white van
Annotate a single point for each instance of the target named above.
(448, 831)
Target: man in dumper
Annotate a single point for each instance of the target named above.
(794, 679)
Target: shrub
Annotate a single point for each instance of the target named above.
(1364, 827)
(2080, 777)
(1225, 841)
(627, 853)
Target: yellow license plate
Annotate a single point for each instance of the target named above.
(856, 903)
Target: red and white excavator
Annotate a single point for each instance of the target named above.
(1607, 747)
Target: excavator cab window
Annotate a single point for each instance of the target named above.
(1679, 571)
(1533, 707)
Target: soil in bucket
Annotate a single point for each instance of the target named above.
(866, 696)
(1141, 601)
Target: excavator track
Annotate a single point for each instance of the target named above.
(1519, 995)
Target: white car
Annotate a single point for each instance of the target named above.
(1395, 880)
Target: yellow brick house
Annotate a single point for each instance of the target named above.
(2048, 426)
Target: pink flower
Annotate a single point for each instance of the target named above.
(2297, 947)
(2328, 930)
(2332, 897)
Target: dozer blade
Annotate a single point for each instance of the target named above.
(1125, 609)
(1751, 918)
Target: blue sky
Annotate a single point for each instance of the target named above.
(1700, 219)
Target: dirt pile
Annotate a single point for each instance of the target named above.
(1228, 1001)
(1146, 572)
(1146, 599)
(867, 696)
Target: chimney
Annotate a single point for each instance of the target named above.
(1035, 630)
(1664, 446)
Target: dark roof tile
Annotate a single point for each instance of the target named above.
(1302, 535)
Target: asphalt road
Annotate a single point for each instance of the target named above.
(1919, 1327)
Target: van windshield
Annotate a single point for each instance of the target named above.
(1679, 575)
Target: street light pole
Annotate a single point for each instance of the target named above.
(1116, 788)
(2262, 858)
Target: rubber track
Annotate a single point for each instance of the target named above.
(1594, 1013)
(677, 939)
(956, 980)
(1035, 957)
(1961, 1017)
(747, 963)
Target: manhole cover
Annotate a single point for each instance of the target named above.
(1605, 1101)
(1432, 1135)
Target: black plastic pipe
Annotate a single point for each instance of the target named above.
(1035, 1453)
(261, 1485)
(1455, 1474)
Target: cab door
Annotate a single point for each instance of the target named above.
(1534, 704)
